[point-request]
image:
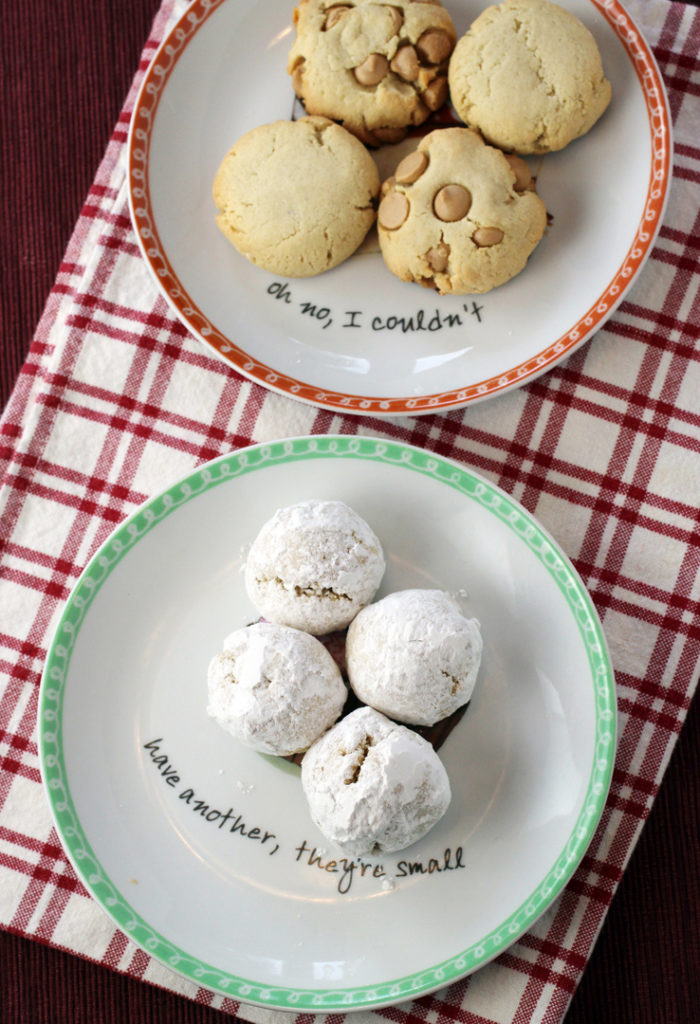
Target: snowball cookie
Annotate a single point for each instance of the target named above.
(458, 215)
(314, 565)
(375, 67)
(373, 786)
(296, 197)
(529, 76)
(274, 688)
(414, 656)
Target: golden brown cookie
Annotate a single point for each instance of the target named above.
(296, 197)
(459, 215)
(528, 75)
(377, 68)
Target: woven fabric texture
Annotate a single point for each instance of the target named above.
(116, 400)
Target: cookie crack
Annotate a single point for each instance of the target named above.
(313, 590)
(531, 47)
(453, 679)
(361, 751)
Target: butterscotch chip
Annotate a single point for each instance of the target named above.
(469, 235)
(372, 69)
(434, 46)
(485, 237)
(334, 15)
(296, 197)
(435, 94)
(397, 17)
(405, 63)
(387, 136)
(371, 66)
(452, 202)
(437, 257)
(523, 177)
(297, 73)
(528, 75)
(393, 211)
(411, 167)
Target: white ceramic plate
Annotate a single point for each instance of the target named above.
(203, 851)
(357, 339)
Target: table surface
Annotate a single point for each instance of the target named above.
(68, 68)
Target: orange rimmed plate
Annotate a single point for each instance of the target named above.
(357, 339)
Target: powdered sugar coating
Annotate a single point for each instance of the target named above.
(414, 656)
(275, 688)
(313, 566)
(372, 785)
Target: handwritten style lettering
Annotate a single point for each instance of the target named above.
(430, 320)
(229, 819)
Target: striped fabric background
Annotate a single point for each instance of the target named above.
(115, 400)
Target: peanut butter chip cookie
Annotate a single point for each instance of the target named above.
(528, 75)
(459, 215)
(296, 197)
(377, 68)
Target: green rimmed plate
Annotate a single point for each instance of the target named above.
(203, 852)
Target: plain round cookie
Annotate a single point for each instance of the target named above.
(459, 215)
(296, 197)
(529, 76)
(313, 566)
(274, 688)
(414, 656)
(376, 68)
(373, 786)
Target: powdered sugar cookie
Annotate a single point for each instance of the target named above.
(274, 688)
(374, 786)
(414, 656)
(313, 566)
(296, 197)
(529, 76)
(459, 215)
(375, 67)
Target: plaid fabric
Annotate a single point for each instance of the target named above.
(116, 400)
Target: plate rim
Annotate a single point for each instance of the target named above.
(214, 473)
(162, 273)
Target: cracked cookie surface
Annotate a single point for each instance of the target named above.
(373, 785)
(296, 197)
(377, 68)
(528, 75)
(458, 215)
(313, 566)
(414, 656)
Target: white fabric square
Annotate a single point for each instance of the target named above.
(26, 812)
(75, 444)
(84, 928)
(296, 417)
(104, 361)
(193, 394)
(43, 525)
(576, 445)
(13, 886)
(496, 992)
(19, 606)
(614, 360)
(653, 559)
(160, 466)
(631, 641)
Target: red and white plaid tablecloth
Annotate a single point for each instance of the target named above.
(116, 400)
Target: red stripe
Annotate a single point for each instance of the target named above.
(539, 972)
